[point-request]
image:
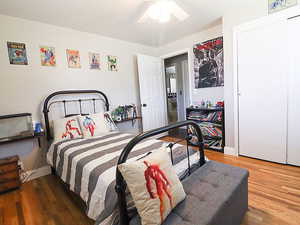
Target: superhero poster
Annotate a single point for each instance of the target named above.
(94, 59)
(17, 53)
(209, 64)
(277, 5)
(112, 63)
(47, 56)
(73, 58)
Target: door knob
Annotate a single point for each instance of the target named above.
(144, 105)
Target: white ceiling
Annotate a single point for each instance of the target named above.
(117, 18)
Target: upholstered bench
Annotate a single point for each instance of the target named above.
(217, 194)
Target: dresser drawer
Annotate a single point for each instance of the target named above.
(9, 176)
(8, 168)
(9, 185)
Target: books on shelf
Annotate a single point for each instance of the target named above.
(211, 124)
(209, 130)
(211, 116)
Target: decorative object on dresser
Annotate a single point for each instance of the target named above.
(212, 124)
(9, 174)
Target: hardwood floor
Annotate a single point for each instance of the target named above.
(274, 197)
(43, 201)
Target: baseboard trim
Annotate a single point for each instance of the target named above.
(34, 174)
(230, 151)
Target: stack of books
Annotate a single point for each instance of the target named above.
(210, 130)
(215, 117)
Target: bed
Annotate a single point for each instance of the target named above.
(88, 165)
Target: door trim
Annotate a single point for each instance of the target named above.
(187, 51)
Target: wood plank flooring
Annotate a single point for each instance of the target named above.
(274, 197)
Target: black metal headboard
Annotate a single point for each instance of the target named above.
(48, 103)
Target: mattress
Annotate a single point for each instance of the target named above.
(88, 166)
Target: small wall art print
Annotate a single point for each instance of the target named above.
(73, 58)
(17, 53)
(278, 5)
(112, 63)
(47, 56)
(209, 64)
(94, 59)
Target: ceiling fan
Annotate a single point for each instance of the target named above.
(162, 11)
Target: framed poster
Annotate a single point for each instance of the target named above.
(47, 56)
(17, 53)
(73, 58)
(209, 64)
(94, 61)
(278, 5)
(112, 63)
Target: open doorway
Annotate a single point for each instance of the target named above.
(177, 88)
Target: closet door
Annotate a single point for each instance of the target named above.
(294, 93)
(262, 72)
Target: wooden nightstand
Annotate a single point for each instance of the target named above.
(9, 174)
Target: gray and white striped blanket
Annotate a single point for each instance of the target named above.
(88, 166)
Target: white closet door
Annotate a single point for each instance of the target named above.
(294, 93)
(262, 72)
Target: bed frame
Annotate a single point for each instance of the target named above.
(121, 184)
(50, 101)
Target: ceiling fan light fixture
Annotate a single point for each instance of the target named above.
(162, 11)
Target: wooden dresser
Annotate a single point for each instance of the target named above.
(9, 174)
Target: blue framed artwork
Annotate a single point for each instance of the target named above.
(17, 53)
(278, 5)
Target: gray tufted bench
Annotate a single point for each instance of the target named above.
(217, 194)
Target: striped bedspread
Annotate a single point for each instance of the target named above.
(88, 166)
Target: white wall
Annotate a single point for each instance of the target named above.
(212, 94)
(23, 88)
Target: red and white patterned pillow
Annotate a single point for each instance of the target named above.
(66, 128)
(95, 124)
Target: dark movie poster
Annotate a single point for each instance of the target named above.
(209, 64)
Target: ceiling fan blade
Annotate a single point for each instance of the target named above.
(178, 12)
(138, 13)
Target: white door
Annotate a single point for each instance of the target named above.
(293, 156)
(262, 80)
(152, 92)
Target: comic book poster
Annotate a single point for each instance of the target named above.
(94, 59)
(47, 56)
(278, 5)
(17, 53)
(73, 58)
(112, 63)
(209, 64)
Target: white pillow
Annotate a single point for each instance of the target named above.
(94, 125)
(66, 128)
(144, 176)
